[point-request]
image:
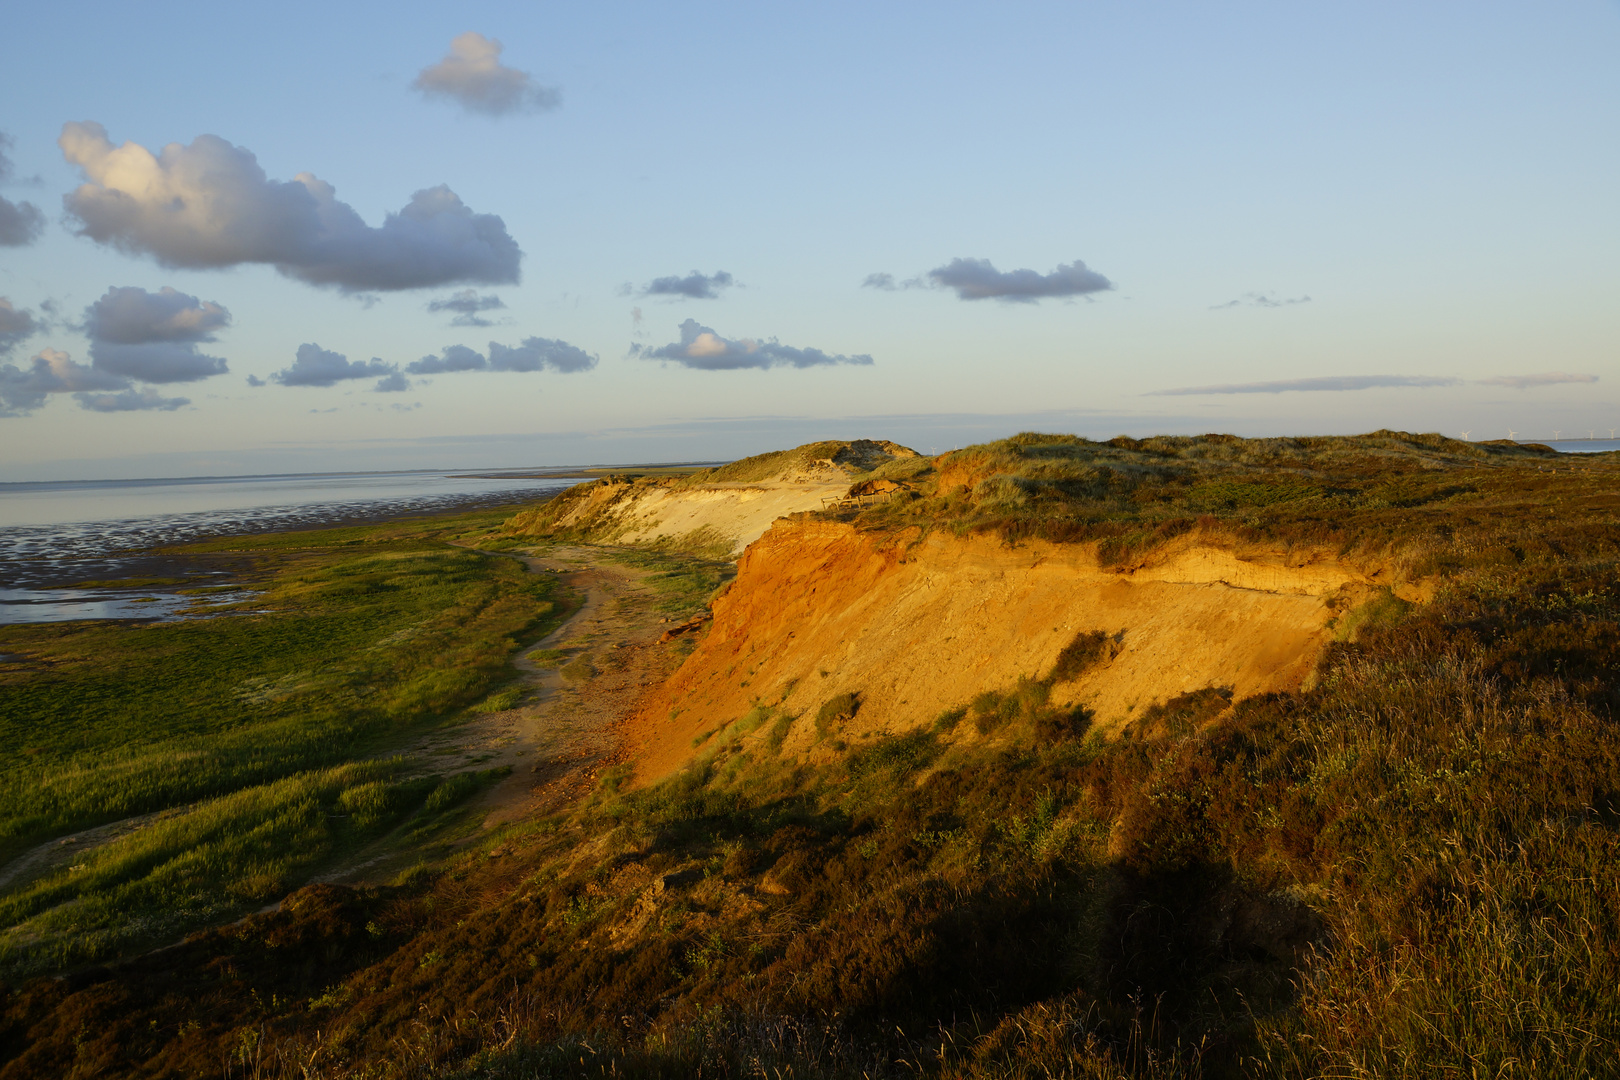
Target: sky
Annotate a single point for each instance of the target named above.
(237, 239)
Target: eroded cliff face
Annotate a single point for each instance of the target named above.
(708, 510)
(917, 625)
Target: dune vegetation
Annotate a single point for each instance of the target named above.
(1410, 866)
(252, 743)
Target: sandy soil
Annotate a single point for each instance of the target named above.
(918, 625)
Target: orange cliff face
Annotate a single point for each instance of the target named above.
(916, 625)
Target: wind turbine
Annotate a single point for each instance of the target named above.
(1511, 433)
(1465, 436)
(1556, 433)
(1612, 431)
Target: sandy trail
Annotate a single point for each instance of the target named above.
(565, 731)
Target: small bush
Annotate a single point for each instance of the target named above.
(1381, 612)
(501, 701)
(1086, 651)
(992, 709)
(779, 731)
(837, 710)
(895, 753)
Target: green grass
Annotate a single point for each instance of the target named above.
(357, 638)
(1409, 868)
(683, 583)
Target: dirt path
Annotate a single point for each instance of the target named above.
(581, 681)
(556, 741)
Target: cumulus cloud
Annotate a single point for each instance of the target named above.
(130, 401)
(1263, 300)
(315, 366)
(1327, 382)
(700, 347)
(21, 223)
(1526, 382)
(977, 279)
(472, 75)
(694, 286)
(879, 281)
(531, 354)
(22, 390)
(392, 384)
(210, 205)
(537, 353)
(468, 306)
(16, 326)
(153, 337)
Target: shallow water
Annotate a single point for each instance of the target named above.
(62, 533)
(1580, 446)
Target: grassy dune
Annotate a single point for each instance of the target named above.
(1409, 869)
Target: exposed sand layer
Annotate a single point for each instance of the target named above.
(917, 626)
(733, 513)
(727, 514)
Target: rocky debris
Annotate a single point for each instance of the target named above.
(685, 628)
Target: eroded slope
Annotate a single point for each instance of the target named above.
(717, 511)
(915, 625)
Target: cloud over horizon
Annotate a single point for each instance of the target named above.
(694, 286)
(531, 354)
(1526, 382)
(21, 223)
(472, 76)
(1262, 300)
(52, 371)
(153, 337)
(315, 366)
(1322, 383)
(17, 325)
(468, 306)
(701, 348)
(130, 401)
(978, 279)
(210, 205)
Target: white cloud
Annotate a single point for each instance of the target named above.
(694, 286)
(1525, 382)
(210, 205)
(21, 223)
(1261, 300)
(468, 306)
(22, 390)
(531, 354)
(472, 75)
(153, 337)
(978, 279)
(130, 401)
(1323, 383)
(315, 366)
(700, 347)
(16, 326)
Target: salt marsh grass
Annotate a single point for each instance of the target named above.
(251, 733)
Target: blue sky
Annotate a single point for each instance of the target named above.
(1263, 218)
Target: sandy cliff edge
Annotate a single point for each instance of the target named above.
(919, 624)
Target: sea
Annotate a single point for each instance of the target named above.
(58, 533)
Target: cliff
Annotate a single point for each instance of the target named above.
(916, 624)
(718, 511)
